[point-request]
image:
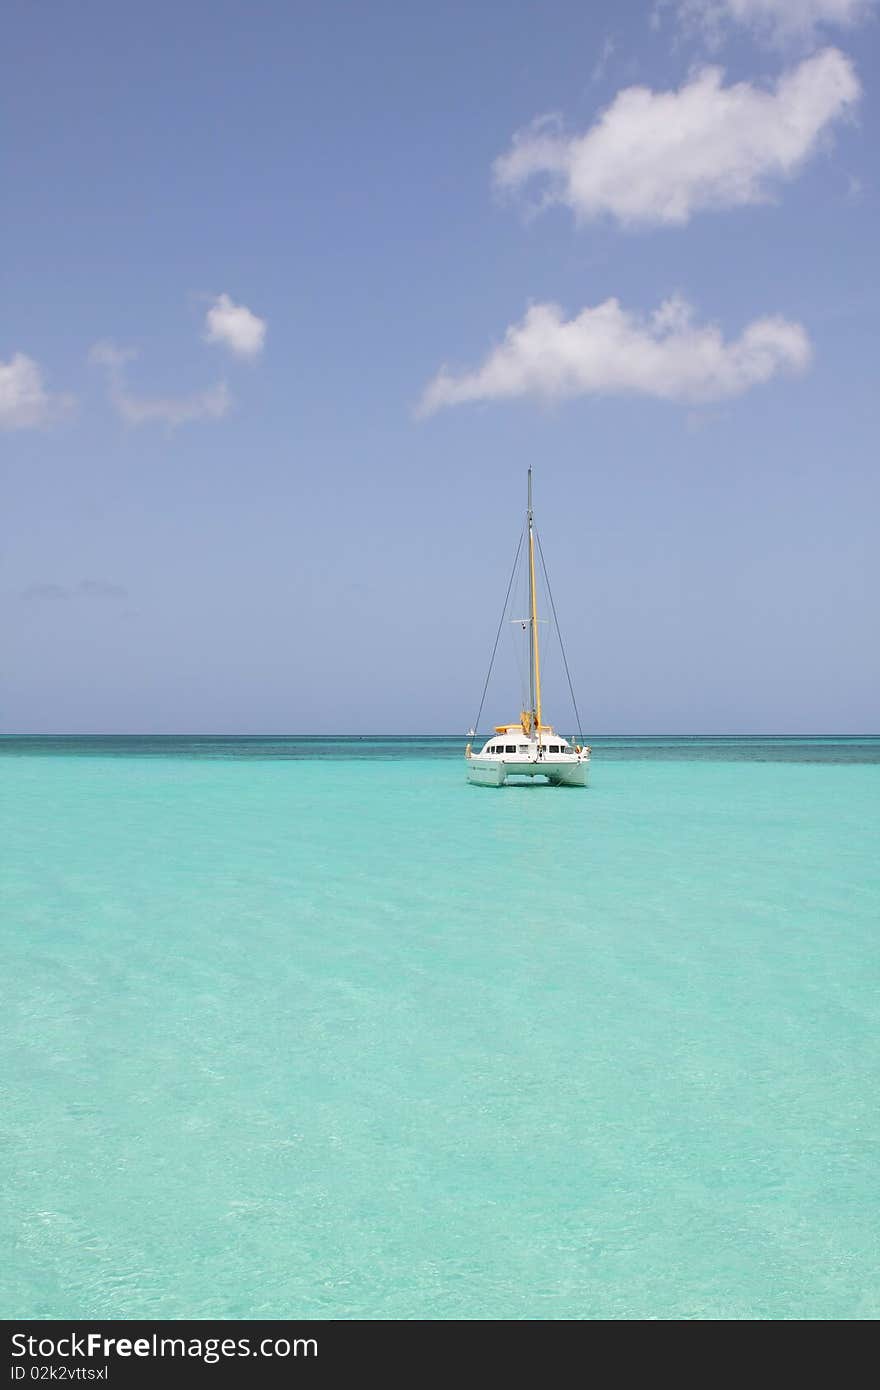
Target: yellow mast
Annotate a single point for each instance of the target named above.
(535, 664)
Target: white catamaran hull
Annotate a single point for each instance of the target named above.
(494, 772)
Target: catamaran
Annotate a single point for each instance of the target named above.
(529, 748)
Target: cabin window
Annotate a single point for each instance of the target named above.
(553, 748)
(510, 748)
(522, 748)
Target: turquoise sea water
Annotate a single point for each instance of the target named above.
(314, 1028)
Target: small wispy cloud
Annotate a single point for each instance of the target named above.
(774, 22)
(101, 589)
(24, 401)
(44, 593)
(608, 350)
(698, 421)
(111, 355)
(661, 157)
(604, 56)
(235, 327)
(855, 188)
(211, 404)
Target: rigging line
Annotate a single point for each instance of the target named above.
(516, 643)
(476, 724)
(559, 635)
(519, 605)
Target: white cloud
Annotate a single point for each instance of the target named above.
(607, 350)
(660, 157)
(24, 401)
(210, 404)
(235, 326)
(774, 21)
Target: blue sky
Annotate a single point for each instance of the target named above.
(293, 294)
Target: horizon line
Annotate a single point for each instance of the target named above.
(202, 733)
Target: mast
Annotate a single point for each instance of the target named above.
(534, 655)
